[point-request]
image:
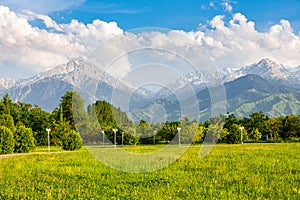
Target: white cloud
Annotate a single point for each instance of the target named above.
(26, 46)
(227, 6)
(212, 4)
(233, 43)
(238, 43)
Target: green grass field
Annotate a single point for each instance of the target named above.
(248, 171)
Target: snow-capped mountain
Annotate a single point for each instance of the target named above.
(265, 68)
(46, 88)
(6, 83)
(198, 81)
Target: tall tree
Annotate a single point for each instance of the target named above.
(71, 109)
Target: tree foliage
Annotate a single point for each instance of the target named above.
(24, 140)
(7, 121)
(102, 116)
(71, 141)
(6, 140)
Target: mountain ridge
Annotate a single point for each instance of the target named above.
(249, 84)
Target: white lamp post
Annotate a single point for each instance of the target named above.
(103, 136)
(115, 136)
(178, 129)
(242, 128)
(48, 130)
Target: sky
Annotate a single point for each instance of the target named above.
(38, 35)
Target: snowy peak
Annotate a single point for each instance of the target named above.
(57, 72)
(266, 68)
(6, 83)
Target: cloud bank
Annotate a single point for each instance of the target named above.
(233, 43)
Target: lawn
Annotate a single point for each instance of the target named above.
(248, 171)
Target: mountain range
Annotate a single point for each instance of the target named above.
(263, 86)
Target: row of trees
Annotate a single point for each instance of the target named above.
(223, 129)
(260, 127)
(22, 126)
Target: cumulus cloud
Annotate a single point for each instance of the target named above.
(24, 46)
(232, 43)
(238, 43)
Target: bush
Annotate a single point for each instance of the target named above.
(24, 140)
(71, 141)
(6, 140)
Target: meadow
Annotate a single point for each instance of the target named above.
(248, 171)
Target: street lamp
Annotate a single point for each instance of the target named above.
(48, 130)
(242, 128)
(115, 136)
(103, 136)
(178, 129)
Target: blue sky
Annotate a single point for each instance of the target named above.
(194, 17)
(171, 14)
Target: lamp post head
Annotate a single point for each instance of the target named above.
(179, 128)
(242, 128)
(114, 129)
(48, 129)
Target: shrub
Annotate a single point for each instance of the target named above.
(6, 140)
(24, 140)
(71, 141)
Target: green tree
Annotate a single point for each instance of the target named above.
(24, 140)
(215, 129)
(71, 141)
(23, 115)
(256, 135)
(188, 130)
(274, 125)
(146, 131)
(7, 104)
(39, 121)
(230, 119)
(6, 140)
(290, 127)
(168, 131)
(231, 135)
(7, 121)
(8, 107)
(71, 110)
(258, 121)
(131, 136)
(199, 134)
(59, 132)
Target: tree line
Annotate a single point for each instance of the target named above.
(23, 126)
